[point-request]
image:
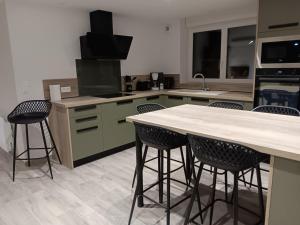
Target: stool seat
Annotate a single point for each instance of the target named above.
(28, 118)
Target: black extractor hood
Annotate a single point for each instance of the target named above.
(101, 43)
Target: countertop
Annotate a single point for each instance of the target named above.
(273, 134)
(88, 100)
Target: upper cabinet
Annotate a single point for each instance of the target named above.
(278, 17)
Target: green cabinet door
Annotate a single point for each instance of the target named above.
(86, 135)
(198, 101)
(116, 131)
(174, 100)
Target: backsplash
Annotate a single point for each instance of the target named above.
(147, 78)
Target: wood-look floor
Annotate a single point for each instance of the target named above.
(98, 193)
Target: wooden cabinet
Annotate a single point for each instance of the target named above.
(278, 17)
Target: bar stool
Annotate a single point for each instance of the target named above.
(31, 112)
(150, 107)
(229, 157)
(163, 140)
(225, 105)
(282, 110)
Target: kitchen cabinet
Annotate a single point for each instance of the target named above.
(116, 131)
(86, 132)
(89, 132)
(277, 17)
(198, 101)
(174, 100)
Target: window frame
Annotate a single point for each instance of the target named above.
(224, 46)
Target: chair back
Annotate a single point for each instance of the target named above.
(223, 155)
(277, 110)
(227, 105)
(30, 109)
(158, 137)
(149, 107)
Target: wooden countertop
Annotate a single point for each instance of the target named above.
(272, 134)
(81, 101)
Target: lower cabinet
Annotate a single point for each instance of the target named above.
(116, 131)
(98, 128)
(86, 135)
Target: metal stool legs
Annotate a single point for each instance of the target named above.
(52, 140)
(144, 159)
(15, 151)
(46, 149)
(27, 144)
(168, 186)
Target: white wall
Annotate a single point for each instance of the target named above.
(8, 96)
(45, 44)
(153, 48)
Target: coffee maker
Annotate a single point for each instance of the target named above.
(156, 78)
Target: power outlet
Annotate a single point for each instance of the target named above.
(65, 89)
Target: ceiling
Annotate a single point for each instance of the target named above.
(160, 9)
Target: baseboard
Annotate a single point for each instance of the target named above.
(100, 155)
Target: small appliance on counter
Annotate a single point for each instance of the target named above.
(143, 85)
(156, 79)
(128, 83)
(169, 82)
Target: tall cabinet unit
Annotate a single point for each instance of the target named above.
(278, 18)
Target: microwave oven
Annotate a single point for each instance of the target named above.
(278, 52)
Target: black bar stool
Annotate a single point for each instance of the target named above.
(30, 112)
(163, 140)
(225, 105)
(229, 157)
(150, 107)
(282, 110)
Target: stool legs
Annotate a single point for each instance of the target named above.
(160, 176)
(213, 193)
(144, 159)
(15, 150)
(27, 144)
(52, 140)
(260, 193)
(168, 186)
(46, 149)
(195, 192)
(235, 198)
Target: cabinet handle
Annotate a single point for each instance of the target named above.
(200, 99)
(175, 97)
(84, 108)
(276, 26)
(86, 119)
(122, 121)
(152, 97)
(87, 129)
(124, 102)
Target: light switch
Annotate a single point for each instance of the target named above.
(65, 89)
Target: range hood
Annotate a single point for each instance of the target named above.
(101, 43)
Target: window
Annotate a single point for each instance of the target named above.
(225, 53)
(207, 53)
(240, 52)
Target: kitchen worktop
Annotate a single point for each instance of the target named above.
(88, 100)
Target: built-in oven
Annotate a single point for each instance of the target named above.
(278, 52)
(279, 87)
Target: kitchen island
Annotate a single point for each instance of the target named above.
(276, 135)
